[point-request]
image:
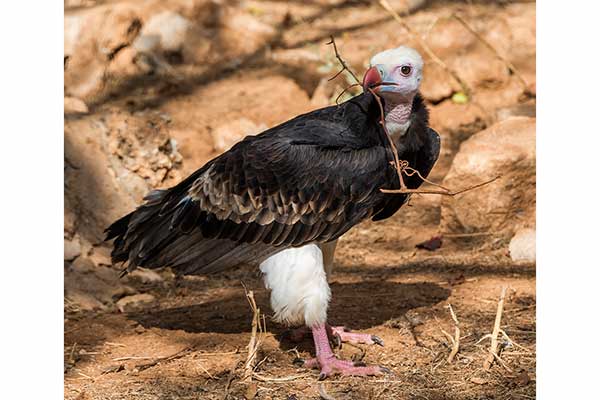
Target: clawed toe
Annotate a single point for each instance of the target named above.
(377, 340)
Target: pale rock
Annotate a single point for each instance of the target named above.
(72, 249)
(522, 246)
(166, 31)
(83, 301)
(230, 133)
(136, 302)
(507, 149)
(145, 275)
(73, 105)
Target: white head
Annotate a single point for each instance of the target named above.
(395, 74)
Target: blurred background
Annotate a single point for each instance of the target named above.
(155, 88)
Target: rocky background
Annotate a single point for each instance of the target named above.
(155, 88)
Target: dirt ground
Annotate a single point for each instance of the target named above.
(378, 287)
(191, 343)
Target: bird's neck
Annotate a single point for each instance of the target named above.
(397, 116)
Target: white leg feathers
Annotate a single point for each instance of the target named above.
(299, 290)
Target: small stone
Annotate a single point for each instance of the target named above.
(522, 246)
(73, 105)
(136, 302)
(478, 381)
(139, 329)
(146, 275)
(84, 301)
(72, 249)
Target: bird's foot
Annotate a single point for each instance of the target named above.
(347, 336)
(330, 365)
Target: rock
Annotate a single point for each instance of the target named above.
(231, 132)
(136, 302)
(508, 149)
(522, 246)
(82, 301)
(437, 85)
(163, 32)
(89, 288)
(145, 275)
(108, 150)
(242, 33)
(517, 110)
(72, 249)
(100, 256)
(73, 105)
(258, 96)
(92, 39)
(83, 265)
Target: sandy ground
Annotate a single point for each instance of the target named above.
(379, 286)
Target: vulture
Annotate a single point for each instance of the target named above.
(281, 200)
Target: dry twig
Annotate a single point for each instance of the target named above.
(456, 339)
(256, 338)
(487, 363)
(465, 87)
(402, 167)
(323, 394)
(487, 44)
(344, 65)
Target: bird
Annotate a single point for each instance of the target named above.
(282, 199)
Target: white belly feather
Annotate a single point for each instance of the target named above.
(299, 290)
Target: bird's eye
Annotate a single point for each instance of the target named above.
(405, 70)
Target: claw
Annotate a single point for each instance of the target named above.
(298, 361)
(385, 370)
(377, 340)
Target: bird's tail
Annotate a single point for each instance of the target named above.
(164, 231)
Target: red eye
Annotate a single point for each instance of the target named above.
(405, 70)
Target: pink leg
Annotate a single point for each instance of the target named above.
(330, 365)
(337, 334)
(355, 338)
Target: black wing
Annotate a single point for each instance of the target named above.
(307, 180)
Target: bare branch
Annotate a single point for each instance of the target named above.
(487, 364)
(487, 44)
(465, 87)
(343, 62)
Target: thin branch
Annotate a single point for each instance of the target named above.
(341, 60)
(456, 340)
(487, 364)
(402, 167)
(255, 340)
(487, 44)
(323, 394)
(465, 87)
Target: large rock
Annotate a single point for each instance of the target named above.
(231, 132)
(136, 302)
(112, 160)
(507, 149)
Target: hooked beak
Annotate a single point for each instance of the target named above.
(374, 80)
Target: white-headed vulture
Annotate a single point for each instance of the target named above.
(282, 198)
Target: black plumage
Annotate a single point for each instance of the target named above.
(307, 180)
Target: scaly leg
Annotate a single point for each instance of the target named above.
(338, 334)
(330, 365)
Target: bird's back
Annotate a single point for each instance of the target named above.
(307, 180)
